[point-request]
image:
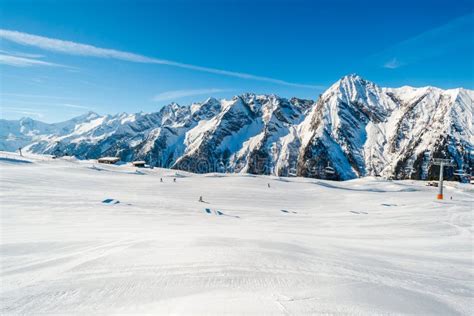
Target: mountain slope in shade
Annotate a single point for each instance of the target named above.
(355, 128)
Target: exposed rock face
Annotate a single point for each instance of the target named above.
(354, 129)
(363, 129)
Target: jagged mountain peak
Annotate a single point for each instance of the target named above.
(354, 80)
(211, 100)
(353, 77)
(89, 115)
(26, 119)
(353, 89)
(173, 106)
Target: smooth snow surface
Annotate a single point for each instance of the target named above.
(298, 247)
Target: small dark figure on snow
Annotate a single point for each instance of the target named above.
(174, 179)
(21, 154)
(161, 179)
(268, 184)
(200, 199)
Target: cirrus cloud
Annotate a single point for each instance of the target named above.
(176, 94)
(73, 48)
(24, 62)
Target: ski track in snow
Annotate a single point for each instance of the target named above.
(302, 246)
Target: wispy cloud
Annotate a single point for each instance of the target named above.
(24, 62)
(16, 108)
(21, 54)
(453, 36)
(73, 48)
(176, 94)
(45, 104)
(35, 96)
(392, 63)
(74, 106)
(24, 111)
(33, 80)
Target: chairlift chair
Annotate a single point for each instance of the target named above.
(329, 170)
(221, 167)
(292, 172)
(460, 172)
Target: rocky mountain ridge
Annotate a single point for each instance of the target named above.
(354, 129)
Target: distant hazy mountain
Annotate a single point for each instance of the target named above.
(356, 128)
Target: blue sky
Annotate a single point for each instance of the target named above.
(59, 59)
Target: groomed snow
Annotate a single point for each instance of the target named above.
(300, 246)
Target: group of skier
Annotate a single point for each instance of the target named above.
(161, 179)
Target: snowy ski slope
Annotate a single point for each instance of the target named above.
(299, 246)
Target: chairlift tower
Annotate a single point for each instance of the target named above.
(441, 163)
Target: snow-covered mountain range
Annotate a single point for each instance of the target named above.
(355, 129)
